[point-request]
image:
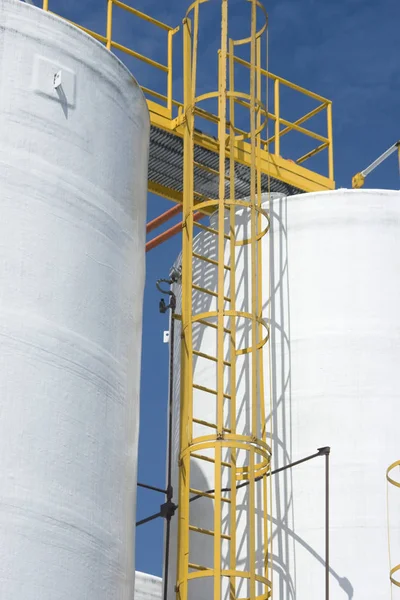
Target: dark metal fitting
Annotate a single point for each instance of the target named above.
(324, 451)
(168, 509)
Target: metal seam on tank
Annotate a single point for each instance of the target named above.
(134, 118)
(84, 199)
(83, 372)
(93, 351)
(40, 516)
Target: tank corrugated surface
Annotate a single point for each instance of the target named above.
(73, 178)
(332, 262)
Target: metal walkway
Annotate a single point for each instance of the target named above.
(166, 170)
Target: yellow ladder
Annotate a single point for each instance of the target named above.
(224, 441)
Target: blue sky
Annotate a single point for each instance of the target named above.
(345, 50)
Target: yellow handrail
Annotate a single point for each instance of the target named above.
(167, 104)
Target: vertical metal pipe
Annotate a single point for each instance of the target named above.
(232, 251)
(327, 524)
(169, 462)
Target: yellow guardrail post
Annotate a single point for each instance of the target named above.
(109, 23)
(171, 33)
(330, 139)
(277, 118)
(169, 82)
(45, 4)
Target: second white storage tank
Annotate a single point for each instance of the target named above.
(332, 263)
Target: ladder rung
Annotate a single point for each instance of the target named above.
(202, 388)
(208, 532)
(213, 325)
(207, 495)
(208, 424)
(208, 357)
(209, 260)
(198, 567)
(210, 292)
(210, 229)
(209, 459)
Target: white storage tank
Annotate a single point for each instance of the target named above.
(73, 177)
(332, 263)
(147, 587)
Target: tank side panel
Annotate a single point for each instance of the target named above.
(336, 352)
(147, 587)
(73, 172)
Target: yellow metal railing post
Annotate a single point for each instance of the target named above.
(277, 118)
(330, 140)
(109, 24)
(45, 4)
(171, 33)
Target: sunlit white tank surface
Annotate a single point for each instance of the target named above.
(73, 182)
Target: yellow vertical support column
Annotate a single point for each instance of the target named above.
(232, 321)
(254, 301)
(222, 89)
(45, 4)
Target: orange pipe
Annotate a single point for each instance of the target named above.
(166, 235)
(175, 210)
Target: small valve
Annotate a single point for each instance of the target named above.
(162, 306)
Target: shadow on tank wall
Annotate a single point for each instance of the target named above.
(276, 310)
(285, 538)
